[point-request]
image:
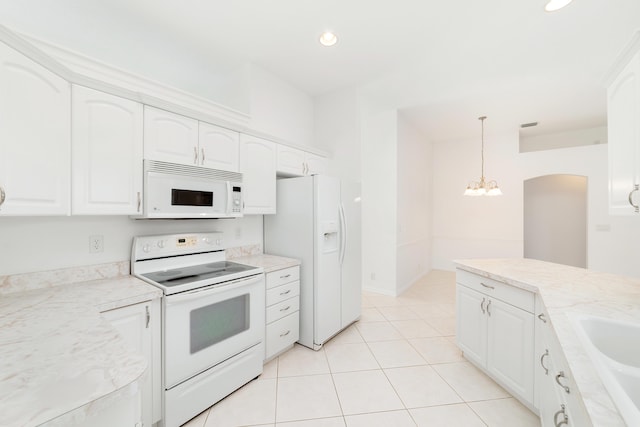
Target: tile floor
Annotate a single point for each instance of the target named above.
(397, 366)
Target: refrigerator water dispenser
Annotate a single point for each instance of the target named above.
(329, 236)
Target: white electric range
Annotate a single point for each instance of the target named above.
(213, 319)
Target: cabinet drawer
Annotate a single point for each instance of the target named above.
(281, 309)
(280, 277)
(282, 293)
(281, 334)
(507, 293)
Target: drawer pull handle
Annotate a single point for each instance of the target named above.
(542, 317)
(284, 334)
(565, 387)
(636, 208)
(546, 353)
(565, 418)
(482, 305)
(286, 308)
(285, 292)
(487, 286)
(285, 276)
(488, 305)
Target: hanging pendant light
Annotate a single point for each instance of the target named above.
(482, 187)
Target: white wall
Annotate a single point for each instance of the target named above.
(483, 227)
(476, 227)
(555, 219)
(337, 130)
(279, 109)
(46, 243)
(379, 218)
(413, 252)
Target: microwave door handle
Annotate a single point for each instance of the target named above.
(229, 198)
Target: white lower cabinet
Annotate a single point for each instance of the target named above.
(282, 310)
(139, 326)
(495, 330)
(556, 392)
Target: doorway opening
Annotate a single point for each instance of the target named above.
(555, 219)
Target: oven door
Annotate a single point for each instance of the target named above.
(207, 326)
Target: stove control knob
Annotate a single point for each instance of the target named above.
(219, 242)
(207, 240)
(160, 244)
(146, 248)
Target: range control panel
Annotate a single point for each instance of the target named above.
(149, 247)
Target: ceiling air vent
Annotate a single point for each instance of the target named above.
(529, 125)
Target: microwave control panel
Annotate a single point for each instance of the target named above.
(236, 196)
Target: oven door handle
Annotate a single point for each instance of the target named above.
(213, 290)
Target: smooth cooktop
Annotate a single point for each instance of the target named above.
(196, 273)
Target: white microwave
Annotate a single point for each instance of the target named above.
(182, 191)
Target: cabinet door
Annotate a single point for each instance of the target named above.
(106, 153)
(471, 327)
(219, 148)
(623, 105)
(133, 323)
(258, 167)
(316, 164)
(35, 137)
(169, 137)
(291, 161)
(510, 347)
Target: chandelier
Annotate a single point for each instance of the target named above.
(482, 187)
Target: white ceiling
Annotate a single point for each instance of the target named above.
(443, 62)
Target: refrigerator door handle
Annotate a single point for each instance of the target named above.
(343, 232)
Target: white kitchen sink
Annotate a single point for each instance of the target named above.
(614, 348)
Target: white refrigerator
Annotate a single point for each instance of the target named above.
(318, 222)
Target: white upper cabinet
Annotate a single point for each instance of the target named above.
(315, 164)
(106, 153)
(219, 148)
(258, 167)
(623, 102)
(295, 162)
(35, 135)
(170, 137)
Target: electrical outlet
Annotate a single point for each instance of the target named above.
(96, 244)
(238, 233)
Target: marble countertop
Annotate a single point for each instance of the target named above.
(567, 291)
(58, 354)
(268, 262)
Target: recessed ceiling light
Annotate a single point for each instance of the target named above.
(554, 5)
(328, 38)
